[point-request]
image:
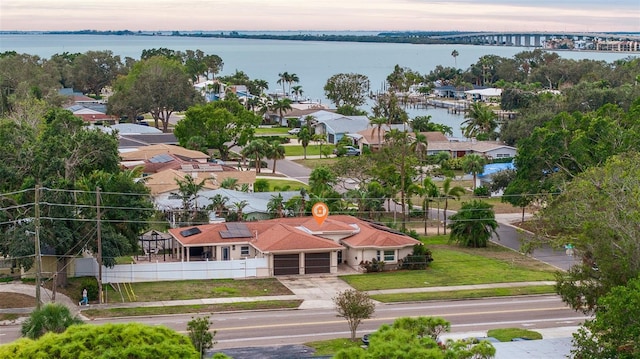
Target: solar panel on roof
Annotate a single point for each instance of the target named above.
(236, 230)
(161, 158)
(190, 232)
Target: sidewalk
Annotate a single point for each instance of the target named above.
(316, 293)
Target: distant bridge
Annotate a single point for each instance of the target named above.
(546, 39)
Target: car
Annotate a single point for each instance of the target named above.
(294, 131)
(347, 151)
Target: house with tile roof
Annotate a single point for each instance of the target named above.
(294, 245)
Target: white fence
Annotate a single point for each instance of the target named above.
(168, 271)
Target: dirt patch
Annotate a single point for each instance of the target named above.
(16, 300)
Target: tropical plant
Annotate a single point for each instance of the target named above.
(322, 180)
(377, 123)
(455, 55)
(276, 205)
(219, 203)
(255, 151)
(275, 152)
(480, 120)
(474, 163)
(240, 206)
(473, 224)
(51, 317)
(230, 183)
(281, 106)
(449, 192)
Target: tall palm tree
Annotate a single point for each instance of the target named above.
(321, 139)
(291, 79)
(419, 145)
(282, 80)
(255, 150)
(455, 54)
(449, 192)
(281, 106)
(377, 123)
(275, 152)
(304, 137)
(473, 163)
(429, 190)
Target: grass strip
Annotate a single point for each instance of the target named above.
(464, 294)
(185, 309)
(332, 346)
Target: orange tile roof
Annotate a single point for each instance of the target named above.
(301, 234)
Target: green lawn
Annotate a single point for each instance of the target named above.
(277, 184)
(313, 150)
(272, 131)
(212, 308)
(464, 294)
(455, 265)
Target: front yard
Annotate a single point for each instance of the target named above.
(454, 265)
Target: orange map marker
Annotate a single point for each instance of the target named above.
(320, 212)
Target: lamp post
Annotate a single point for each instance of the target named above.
(37, 244)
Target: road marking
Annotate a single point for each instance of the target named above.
(391, 319)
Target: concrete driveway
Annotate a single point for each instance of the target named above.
(317, 291)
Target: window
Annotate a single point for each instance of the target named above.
(389, 256)
(244, 250)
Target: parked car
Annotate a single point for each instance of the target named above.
(294, 131)
(346, 151)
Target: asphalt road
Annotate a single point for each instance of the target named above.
(275, 328)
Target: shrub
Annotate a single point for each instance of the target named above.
(51, 317)
(372, 266)
(419, 259)
(481, 191)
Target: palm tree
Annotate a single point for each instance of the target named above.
(320, 138)
(480, 119)
(282, 80)
(474, 163)
(303, 201)
(219, 203)
(304, 137)
(297, 91)
(255, 150)
(429, 190)
(378, 122)
(474, 224)
(260, 85)
(229, 183)
(449, 192)
(240, 206)
(455, 54)
(275, 206)
(419, 145)
(281, 106)
(188, 190)
(292, 78)
(52, 317)
(275, 152)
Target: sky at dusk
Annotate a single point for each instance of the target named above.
(339, 15)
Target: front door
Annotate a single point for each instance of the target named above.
(225, 253)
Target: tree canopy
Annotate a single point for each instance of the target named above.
(347, 89)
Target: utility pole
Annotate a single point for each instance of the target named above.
(98, 214)
(37, 240)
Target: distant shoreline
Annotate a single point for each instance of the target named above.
(406, 37)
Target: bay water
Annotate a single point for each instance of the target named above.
(314, 62)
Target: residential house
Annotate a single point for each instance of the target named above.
(485, 95)
(334, 126)
(457, 149)
(295, 245)
(133, 157)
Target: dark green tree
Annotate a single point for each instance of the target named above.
(473, 225)
(347, 89)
